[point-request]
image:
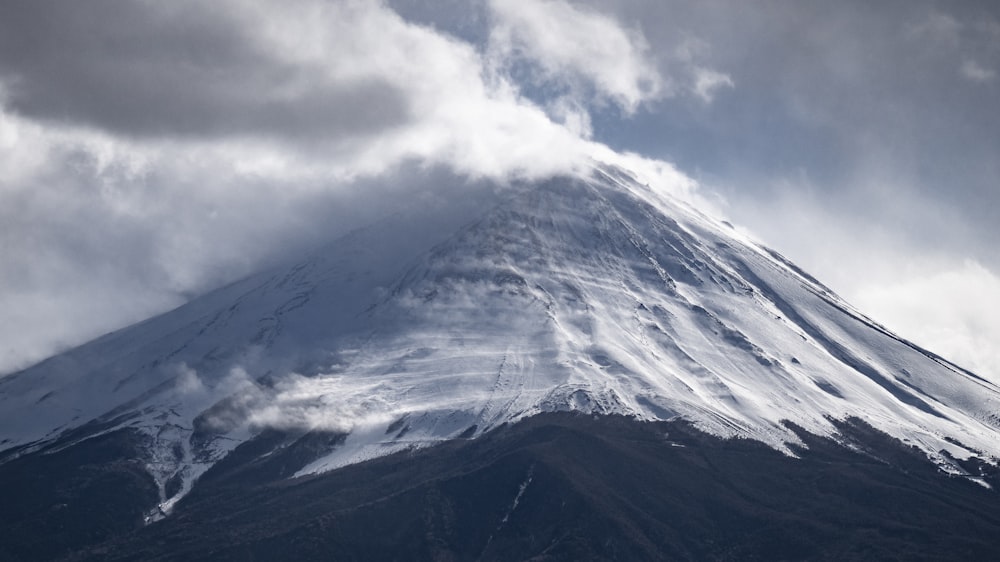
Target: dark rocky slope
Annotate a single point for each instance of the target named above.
(554, 487)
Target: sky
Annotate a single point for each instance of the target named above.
(151, 151)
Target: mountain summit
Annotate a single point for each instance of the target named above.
(590, 294)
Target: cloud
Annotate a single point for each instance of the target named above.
(568, 43)
(324, 402)
(942, 310)
(151, 152)
(707, 81)
(937, 26)
(148, 70)
(348, 83)
(977, 73)
(919, 287)
(965, 37)
(327, 403)
(187, 380)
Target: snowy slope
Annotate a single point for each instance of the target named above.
(594, 294)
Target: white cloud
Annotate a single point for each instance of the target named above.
(188, 381)
(102, 224)
(937, 26)
(707, 81)
(328, 403)
(570, 43)
(976, 72)
(967, 40)
(949, 310)
(917, 287)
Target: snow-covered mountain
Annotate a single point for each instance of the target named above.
(595, 294)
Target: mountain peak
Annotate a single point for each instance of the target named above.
(594, 294)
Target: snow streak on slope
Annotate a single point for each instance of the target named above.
(595, 294)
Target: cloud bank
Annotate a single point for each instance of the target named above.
(153, 151)
(944, 309)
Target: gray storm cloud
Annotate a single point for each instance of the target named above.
(182, 69)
